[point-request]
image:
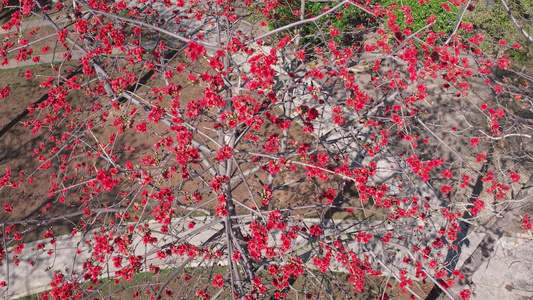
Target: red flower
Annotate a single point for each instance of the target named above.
(465, 294)
(431, 19)
(224, 153)
(194, 50)
(141, 127)
(169, 74)
(446, 189)
(192, 78)
(504, 62)
(8, 208)
(273, 144)
(397, 119)
(81, 25)
(447, 174)
(481, 157)
(488, 177)
(300, 54)
(5, 92)
(28, 74)
(216, 182)
(334, 31)
(330, 195)
(315, 231)
(221, 211)
(515, 177)
(478, 205)
(218, 281)
(474, 142)
(236, 256)
(526, 224)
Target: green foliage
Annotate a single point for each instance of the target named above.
(347, 18)
(445, 20)
(490, 18)
(344, 19)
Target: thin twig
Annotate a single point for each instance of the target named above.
(515, 22)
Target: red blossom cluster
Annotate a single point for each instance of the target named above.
(5, 92)
(261, 131)
(526, 224)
